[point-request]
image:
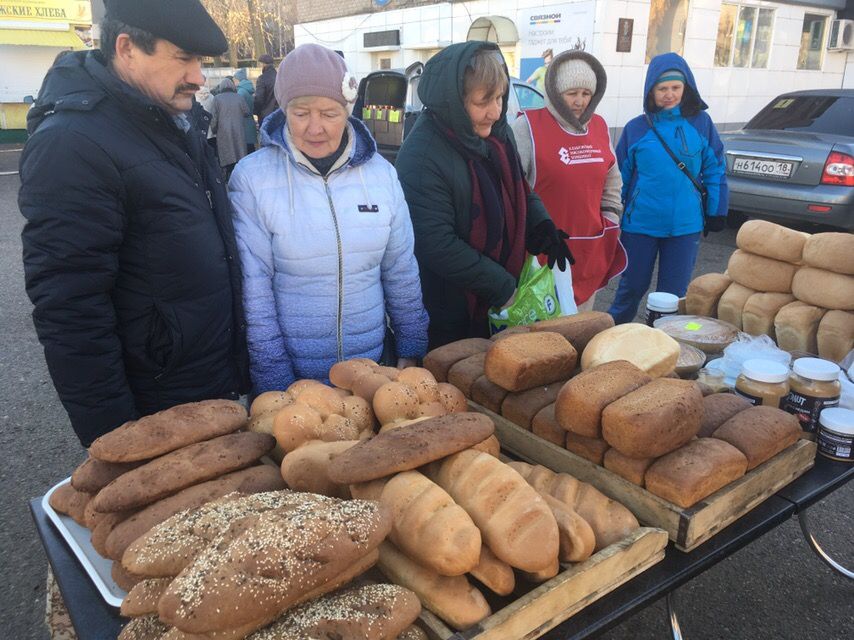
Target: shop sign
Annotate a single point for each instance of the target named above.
(558, 27)
(69, 11)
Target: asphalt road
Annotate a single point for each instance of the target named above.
(774, 589)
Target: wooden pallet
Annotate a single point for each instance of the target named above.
(687, 527)
(552, 602)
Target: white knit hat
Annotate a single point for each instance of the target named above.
(575, 74)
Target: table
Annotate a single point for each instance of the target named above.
(95, 620)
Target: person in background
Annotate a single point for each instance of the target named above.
(474, 215)
(668, 207)
(538, 78)
(568, 160)
(229, 111)
(205, 98)
(324, 233)
(246, 91)
(265, 89)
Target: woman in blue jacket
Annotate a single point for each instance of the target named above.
(665, 211)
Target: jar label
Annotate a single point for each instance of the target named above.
(754, 400)
(834, 445)
(652, 316)
(807, 409)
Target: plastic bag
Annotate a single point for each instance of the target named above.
(846, 379)
(537, 298)
(747, 347)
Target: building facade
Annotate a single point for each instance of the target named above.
(742, 52)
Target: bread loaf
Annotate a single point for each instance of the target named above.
(359, 411)
(527, 360)
(509, 331)
(542, 575)
(439, 361)
(299, 423)
(757, 317)
(580, 402)
(592, 449)
(513, 519)
(104, 527)
(695, 471)
(124, 578)
(307, 468)
(270, 401)
(717, 409)
(453, 599)
(831, 251)
(579, 329)
(464, 373)
(648, 349)
(144, 628)
(632, 469)
(657, 418)
(835, 335)
(344, 374)
(521, 407)
(545, 425)
(731, 304)
(824, 288)
(760, 433)
(71, 502)
(704, 292)
(491, 446)
(142, 599)
(576, 537)
(93, 474)
(771, 240)
(367, 384)
(413, 632)
(796, 326)
(169, 430)
(760, 273)
(452, 398)
(488, 394)
(495, 575)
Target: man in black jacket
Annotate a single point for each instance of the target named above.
(129, 250)
(265, 89)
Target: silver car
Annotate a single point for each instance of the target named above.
(795, 160)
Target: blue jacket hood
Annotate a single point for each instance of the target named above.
(664, 62)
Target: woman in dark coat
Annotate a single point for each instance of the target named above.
(229, 110)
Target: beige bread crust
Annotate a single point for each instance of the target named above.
(93, 474)
(144, 628)
(439, 360)
(491, 445)
(695, 471)
(527, 360)
(169, 430)
(649, 349)
(270, 401)
(104, 527)
(521, 407)
(69, 501)
(717, 409)
(307, 468)
(824, 288)
(577, 540)
(796, 326)
(124, 578)
(488, 394)
(771, 240)
(592, 449)
(410, 446)
(835, 336)
(299, 423)
(495, 575)
(760, 273)
(452, 598)
(631, 469)
(760, 433)
(255, 479)
(464, 373)
(579, 329)
(580, 403)
(412, 633)
(610, 521)
(731, 304)
(181, 469)
(142, 599)
(832, 251)
(704, 292)
(757, 317)
(543, 574)
(655, 419)
(513, 519)
(545, 425)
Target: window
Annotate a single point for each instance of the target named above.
(744, 36)
(814, 113)
(812, 41)
(666, 27)
(528, 98)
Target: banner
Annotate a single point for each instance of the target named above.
(70, 11)
(557, 27)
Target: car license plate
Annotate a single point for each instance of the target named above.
(762, 167)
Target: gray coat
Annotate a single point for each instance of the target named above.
(229, 109)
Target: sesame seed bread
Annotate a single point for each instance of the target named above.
(144, 628)
(142, 599)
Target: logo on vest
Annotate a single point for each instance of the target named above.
(580, 154)
(564, 155)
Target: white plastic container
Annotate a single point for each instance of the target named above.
(836, 434)
(660, 304)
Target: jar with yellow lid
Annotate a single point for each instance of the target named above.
(813, 386)
(763, 382)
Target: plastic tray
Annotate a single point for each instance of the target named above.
(78, 539)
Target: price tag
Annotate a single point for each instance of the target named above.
(693, 326)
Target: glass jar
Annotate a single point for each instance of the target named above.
(813, 386)
(660, 304)
(763, 382)
(836, 434)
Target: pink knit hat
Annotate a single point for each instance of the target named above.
(314, 70)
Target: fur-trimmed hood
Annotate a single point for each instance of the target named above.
(554, 101)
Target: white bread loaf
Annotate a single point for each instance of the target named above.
(731, 304)
(307, 468)
(757, 317)
(704, 292)
(494, 574)
(648, 349)
(764, 238)
(796, 326)
(836, 335)
(831, 251)
(824, 288)
(577, 540)
(760, 273)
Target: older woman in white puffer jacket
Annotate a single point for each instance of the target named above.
(324, 233)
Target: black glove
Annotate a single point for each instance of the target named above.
(715, 224)
(548, 239)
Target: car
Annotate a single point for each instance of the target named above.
(794, 160)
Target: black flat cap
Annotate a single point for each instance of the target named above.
(184, 23)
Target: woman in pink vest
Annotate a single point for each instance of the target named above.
(569, 162)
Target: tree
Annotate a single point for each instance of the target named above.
(253, 27)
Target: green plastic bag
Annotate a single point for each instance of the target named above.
(536, 299)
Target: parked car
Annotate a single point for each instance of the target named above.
(794, 160)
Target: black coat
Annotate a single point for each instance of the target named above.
(129, 252)
(265, 93)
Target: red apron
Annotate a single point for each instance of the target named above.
(571, 173)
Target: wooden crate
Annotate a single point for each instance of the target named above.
(687, 527)
(550, 603)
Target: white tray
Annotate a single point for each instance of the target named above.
(78, 538)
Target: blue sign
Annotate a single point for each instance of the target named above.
(381, 3)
